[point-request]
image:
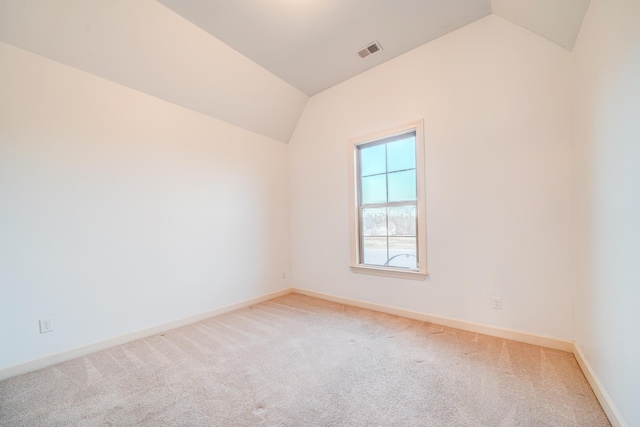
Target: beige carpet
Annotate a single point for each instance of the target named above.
(301, 361)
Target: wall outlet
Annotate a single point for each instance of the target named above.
(46, 325)
(497, 303)
(284, 275)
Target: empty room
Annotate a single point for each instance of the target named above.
(319, 213)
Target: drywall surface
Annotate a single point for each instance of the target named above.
(607, 139)
(120, 211)
(148, 47)
(496, 103)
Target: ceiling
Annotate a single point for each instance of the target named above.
(556, 20)
(312, 44)
(145, 46)
(253, 63)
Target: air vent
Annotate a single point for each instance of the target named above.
(370, 49)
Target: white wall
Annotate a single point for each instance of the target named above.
(119, 211)
(496, 100)
(607, 135)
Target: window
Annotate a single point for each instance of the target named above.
(388, 226)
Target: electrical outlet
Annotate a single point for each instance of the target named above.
(497, 303)
(46, 325)
(284, 275)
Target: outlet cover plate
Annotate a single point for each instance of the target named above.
(46, 325)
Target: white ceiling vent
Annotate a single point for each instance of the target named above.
(370, 49)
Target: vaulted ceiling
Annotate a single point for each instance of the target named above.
(253, 63)
(312, 44)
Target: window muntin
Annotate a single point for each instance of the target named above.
(388, 213)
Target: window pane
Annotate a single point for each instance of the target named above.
(402, 252)
(401, 154)
(402, 186)
(402, 221)
(374, 189)
(374, 222)
(374, 250)
(373, 160)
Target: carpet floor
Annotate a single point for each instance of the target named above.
(302, 361)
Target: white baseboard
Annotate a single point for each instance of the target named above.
(605, 401)
(54, 359)
(540, 340)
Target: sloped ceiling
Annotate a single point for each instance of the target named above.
(556, 20)
(145, 46)
(253, 63)
(313, 44)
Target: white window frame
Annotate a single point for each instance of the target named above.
(354, 222)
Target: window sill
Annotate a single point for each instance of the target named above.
(389, 272)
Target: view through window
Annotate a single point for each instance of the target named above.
(387, 202)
